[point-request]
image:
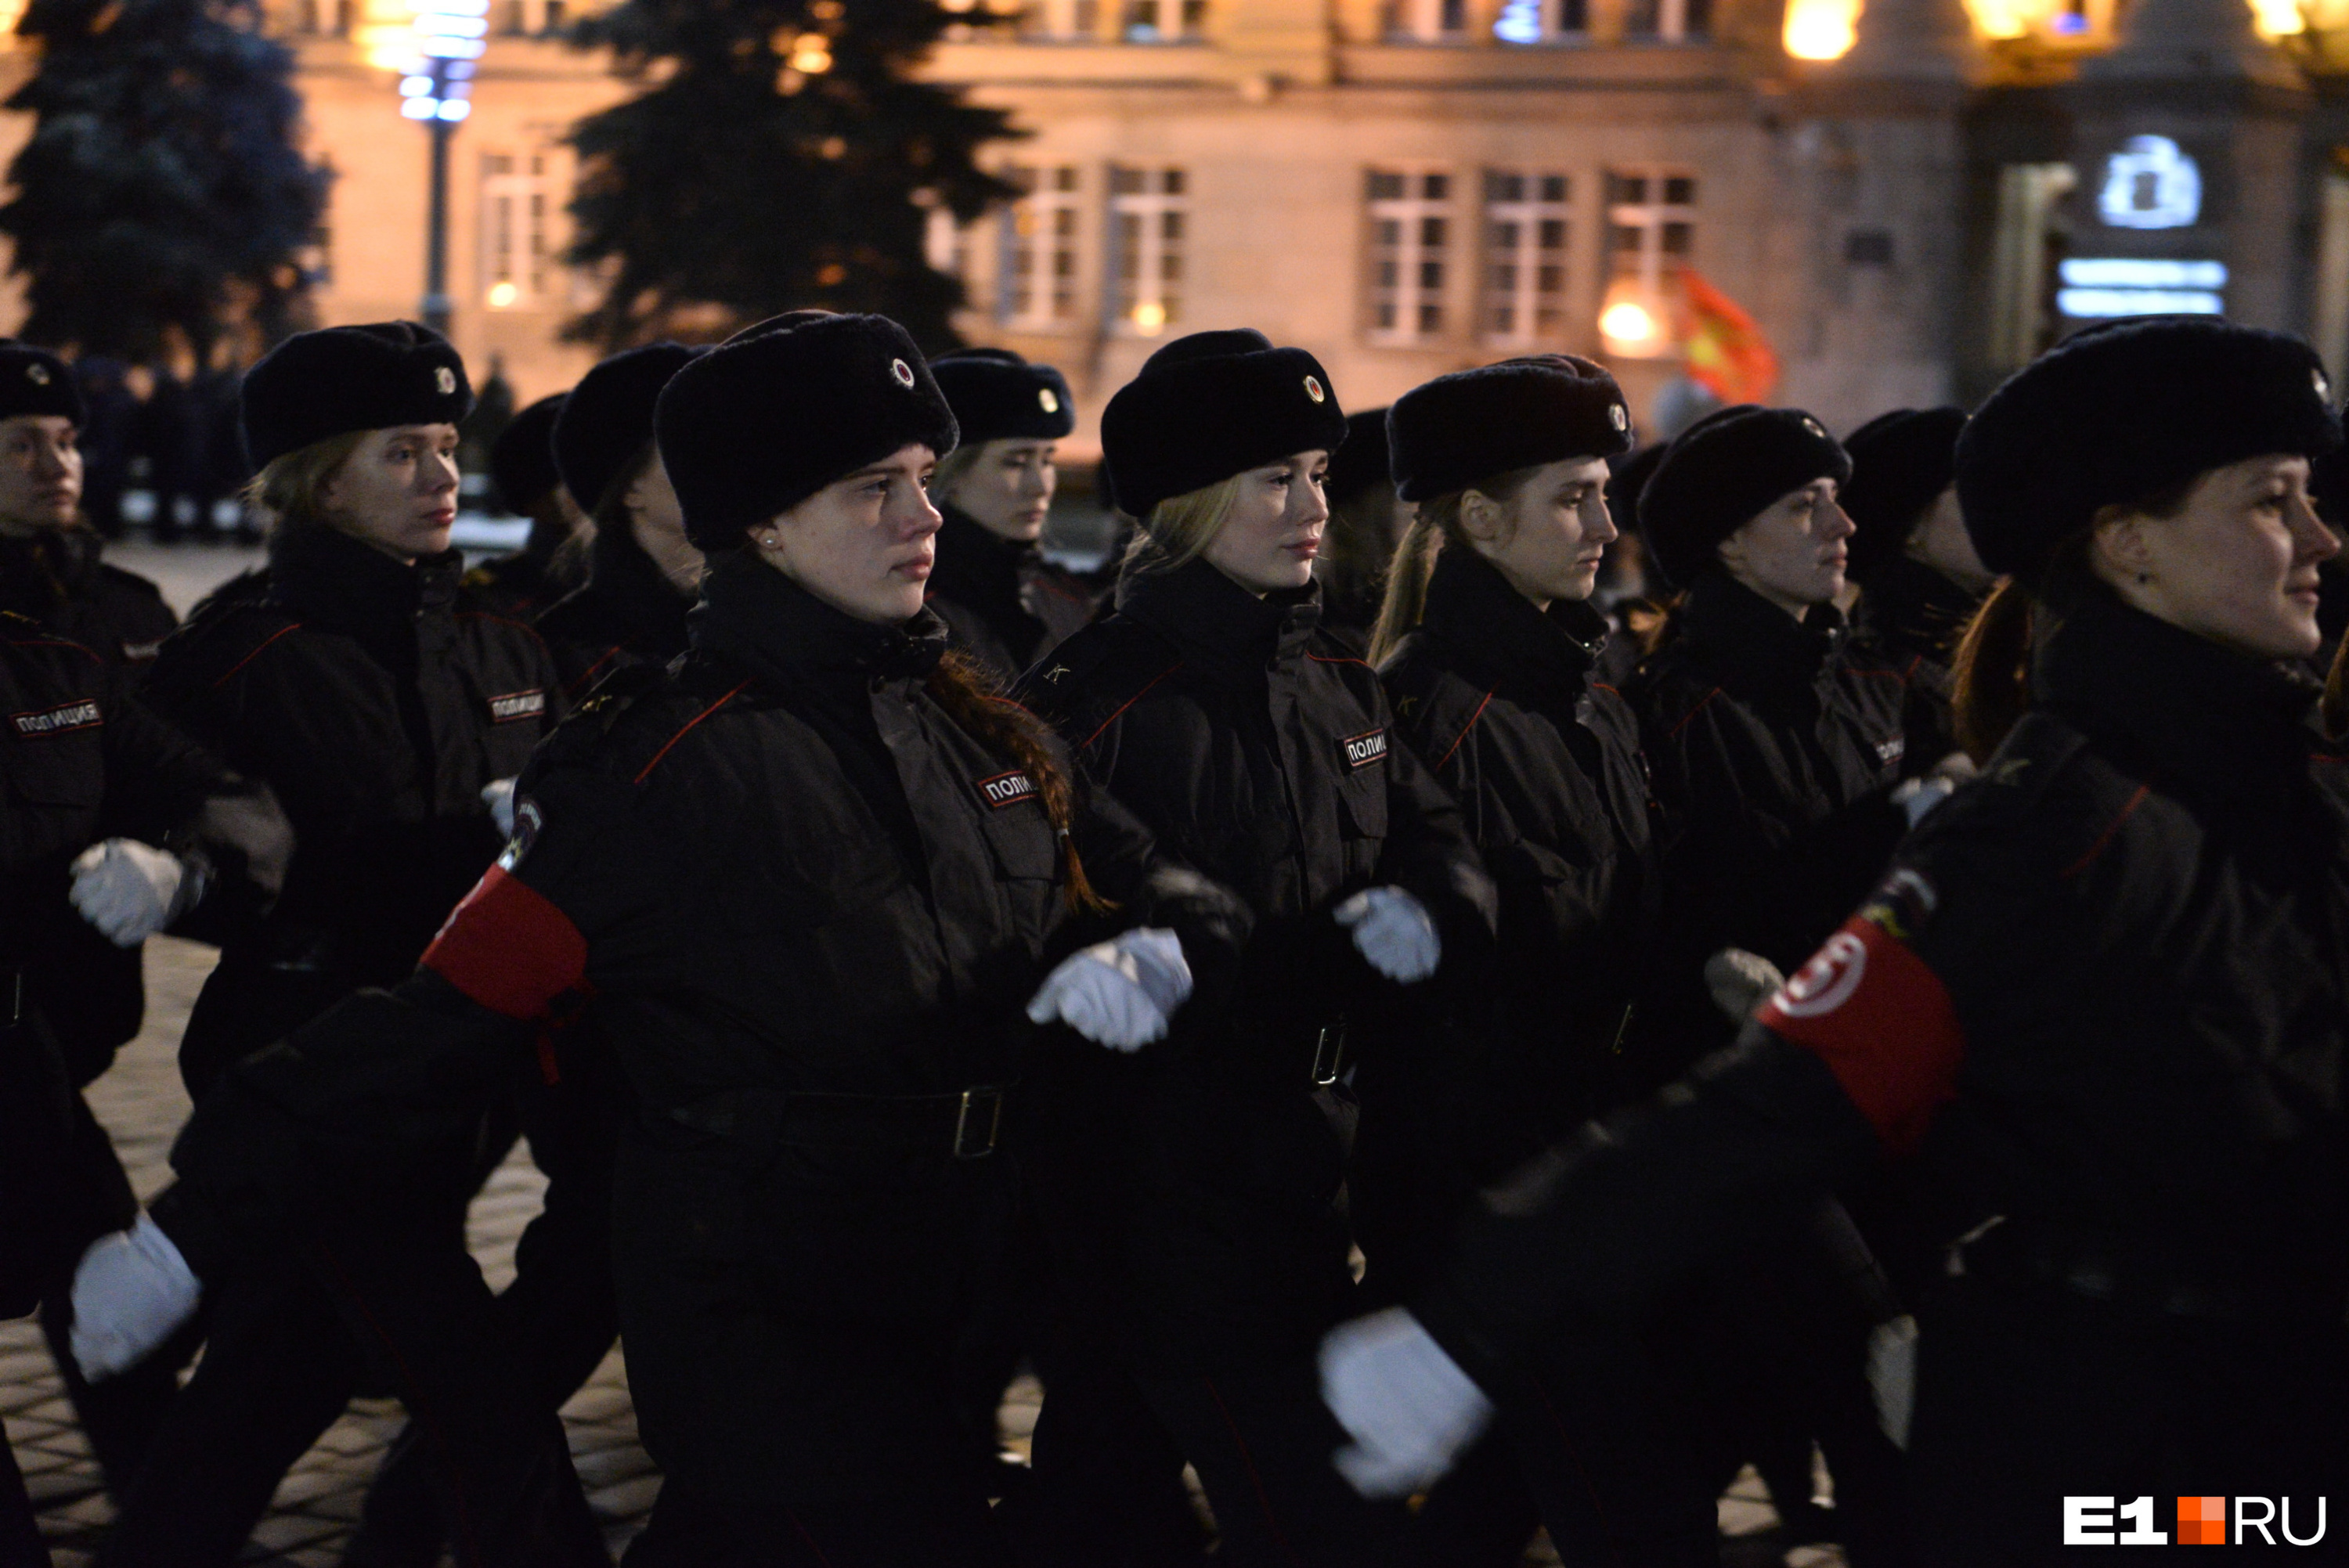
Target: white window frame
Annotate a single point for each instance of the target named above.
(1041, 227)
(1671, 22)
(1411, 295)
(1523, 294)
(1651, 217)
(1161, 21)
(1065, 19)
(516, 243)
(1137, 297)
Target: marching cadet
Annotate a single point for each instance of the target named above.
(643, 571)
(807, 881)
(1366, 523)
(112, 826)
(2100, 998)
(1004, 605)
(523, 468)
(1921, 581)
(1489, 647)
(50, 569)
(1197, 1194)
(379, 700)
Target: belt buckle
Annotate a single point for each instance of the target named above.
(981, 1108)
(1330, 1055)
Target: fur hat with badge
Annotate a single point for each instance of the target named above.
(344, 378)
(1723, 472)
(1451, 432)
(783, 408)
(998, 396)
(1901, 464)
(522, 459)
(1210, 405)
(2119, 413)
(34, 381)
(609, 418)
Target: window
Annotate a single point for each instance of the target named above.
(1429, 21)
(1064, 19)
(1524, 256)
(1146, 218)
(1651, 235)
(516, 249)
(1411, 238)
(1667, 21)
(1541, 21)
(1163, 21)
(1038, 270)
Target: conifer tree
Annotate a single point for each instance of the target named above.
(781, 155)
(162, 199)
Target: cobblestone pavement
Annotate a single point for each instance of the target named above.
(141, 1103)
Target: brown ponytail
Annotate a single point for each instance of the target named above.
(1434, 526)
(967, 693)
(1990, 672)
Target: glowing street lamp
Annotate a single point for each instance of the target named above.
(436, 84)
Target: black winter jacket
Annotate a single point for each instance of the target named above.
(1264, 756)
(57, 578)
(2103, 994)
(627, 613)
(377, 699)
(806, 909)
(1910, 620)
(1005, 604)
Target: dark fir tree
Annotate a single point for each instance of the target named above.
(161, 200)
(781, 155)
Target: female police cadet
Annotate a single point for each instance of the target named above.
(1004, 604)
(1214, 1244)
(1488, 647)
(2102, 993)
(803, 880)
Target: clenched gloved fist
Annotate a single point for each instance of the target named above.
(1119, 993)
(1739, 981)
(130, 890)
(1406, 1403)
(131, 1292)
(498, 795)
(1395, 932)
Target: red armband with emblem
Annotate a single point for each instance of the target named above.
(508, 948)
(1880, 1020)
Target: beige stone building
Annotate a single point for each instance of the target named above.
(1411, 186)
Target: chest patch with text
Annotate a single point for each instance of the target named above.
(517, 704)
(78, 714)
(1005, 790)
(1361, 750)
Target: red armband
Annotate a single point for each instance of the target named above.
(508, 948)
(1879, 1018)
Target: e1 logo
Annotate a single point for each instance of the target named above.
(2201, 1522)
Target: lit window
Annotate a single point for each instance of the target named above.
(1650, 236)
(1428, 21)
(1164, 21)
(1543, 21)
(1147, 214)
(1525, 257)
(1410, 248)
(517, 245)
(1667, 21)
(1038, 274)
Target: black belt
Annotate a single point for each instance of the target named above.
(965, 1124)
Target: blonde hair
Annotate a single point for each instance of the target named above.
(1179, 529)
(1434, 527)
(289, 490)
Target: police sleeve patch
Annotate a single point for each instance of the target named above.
(62, 720)
(1361, 750)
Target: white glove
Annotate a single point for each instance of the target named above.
(1118, 993)
(1394, 933)
(130, 890)
(1919, 795)
(131, 1292)
(1739, 981)
(1406, 1403)
(498, 795)
(1892, 1376)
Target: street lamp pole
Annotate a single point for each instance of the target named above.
(437, 90)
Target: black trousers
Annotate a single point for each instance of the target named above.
(20, 1533)
(2029, 1394)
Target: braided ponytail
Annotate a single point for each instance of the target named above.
(960, 686)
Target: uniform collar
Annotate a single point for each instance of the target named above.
(326, 576)
(1500, 639)
(1908, 604)
(756, 615)
(977, 566)
(42, 570)
(1218, 623)
(1755, 638)
(2229, 727)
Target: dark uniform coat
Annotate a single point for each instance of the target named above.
(1262, 754)
(377, 699)
(57, 578)
(627, 614)
(1910, 620)
(2104, 995)
(1503, 701)
(807, 909)
(1006, 606)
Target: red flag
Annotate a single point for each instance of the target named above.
(1727, 353)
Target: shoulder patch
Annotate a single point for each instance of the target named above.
(82, 713)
